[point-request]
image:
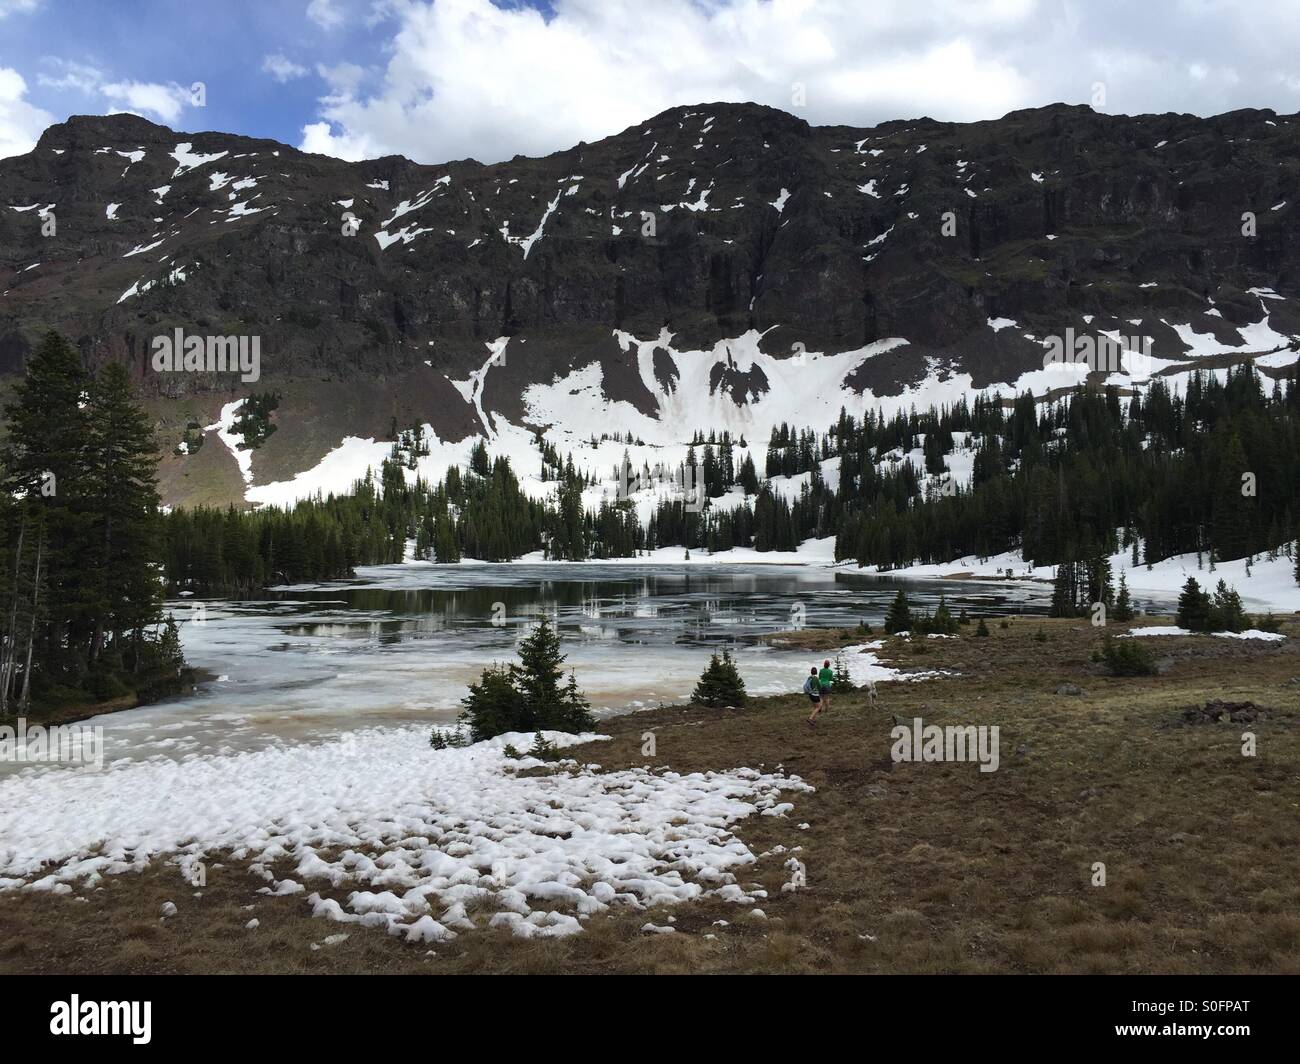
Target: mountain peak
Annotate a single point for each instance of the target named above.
(81, 131)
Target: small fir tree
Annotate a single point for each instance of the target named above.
(1123, 610)
(899, 617)
(720, 684)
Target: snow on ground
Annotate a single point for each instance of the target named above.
(805, 391)
(1258, 336)
(409, 835)
(819, 552)
(187, 159)
(1169, 629)
(1271, 585)
(224, 426)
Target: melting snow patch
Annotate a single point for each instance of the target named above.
(187, 160)
(225, 429)
(527, 242)
(141, 248)
(406, 234)
(779, 202)
(415, 832)
(1168, 629)
(242, 210)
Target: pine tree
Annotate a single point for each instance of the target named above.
(899, 617)
(1123, 604)
(843, 681)
(546, 704)
(1232, 510)
(942, 623)
(720, 685)
(123, 493)
(1193, 607)
(46, 466)
(1064, 592)
(493, 705)
(1227, 613)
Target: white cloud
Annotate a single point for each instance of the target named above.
(71, 75)
(325, 14)
(283, 68)
(14, 7)
(21, 123)
(469, 78)
(164, 102)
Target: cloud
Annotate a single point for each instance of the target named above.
(71, 75)
(16, 7)
(282, 68)
(325, 14)
(21, 123)
(164, 102)
(470, 78)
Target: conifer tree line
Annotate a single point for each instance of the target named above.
(1069, 483)
(80, 587)
(1212, 471)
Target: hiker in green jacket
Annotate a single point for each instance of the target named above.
(826, 678)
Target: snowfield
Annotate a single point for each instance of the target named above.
(1270, 585)
(807, 390)
(407, 835)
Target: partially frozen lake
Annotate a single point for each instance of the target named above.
(398, 644)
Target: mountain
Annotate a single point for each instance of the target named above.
(718, 266)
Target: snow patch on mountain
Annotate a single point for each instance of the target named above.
(187, 159)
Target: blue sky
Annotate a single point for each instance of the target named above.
(446, 79)
(67, 51)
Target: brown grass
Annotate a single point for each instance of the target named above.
(910, 867)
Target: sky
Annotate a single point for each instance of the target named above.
(437, 80)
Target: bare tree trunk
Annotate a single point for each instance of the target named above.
(31, 631)
(97, 642)
(11, 631)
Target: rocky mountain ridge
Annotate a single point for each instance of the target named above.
(715, 247)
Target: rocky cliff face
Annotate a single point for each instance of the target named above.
(738, 231)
